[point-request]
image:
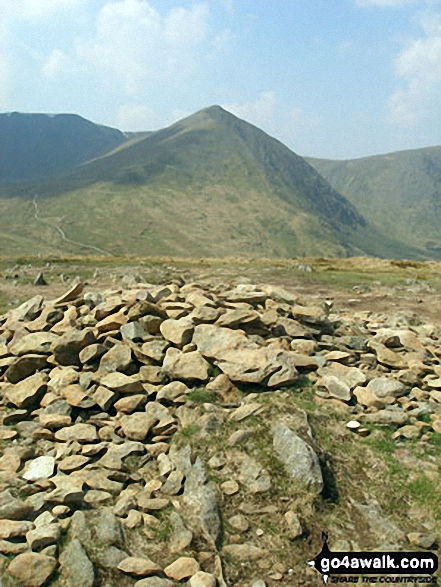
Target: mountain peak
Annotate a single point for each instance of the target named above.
(215, 110)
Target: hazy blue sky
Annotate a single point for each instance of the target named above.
(330, 78)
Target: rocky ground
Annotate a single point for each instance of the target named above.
(206, 433)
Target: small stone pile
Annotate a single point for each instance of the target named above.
(98, 484)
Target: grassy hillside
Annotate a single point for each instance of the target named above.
(400, 193)
(37, 145)
(209, 185)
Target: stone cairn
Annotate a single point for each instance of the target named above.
(95, 387)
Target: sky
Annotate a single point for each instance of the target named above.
(337, 79)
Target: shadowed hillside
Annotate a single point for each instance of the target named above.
(400, 193)
(37, 145)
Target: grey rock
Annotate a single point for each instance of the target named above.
(300, 460)
(12, 508)
(107, 528)
(76, 568)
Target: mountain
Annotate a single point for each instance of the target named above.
(399, 193)
(208, 185)
(37, 145)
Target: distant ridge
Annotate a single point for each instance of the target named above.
(37, 145)
(209, 185)
(399, 192)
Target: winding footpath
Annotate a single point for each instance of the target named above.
(62, 233)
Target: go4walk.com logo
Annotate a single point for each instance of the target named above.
(410, 568)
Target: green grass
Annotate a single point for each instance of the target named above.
(393, 192)
(202, 396)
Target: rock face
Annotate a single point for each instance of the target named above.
(76, 568)
(153, 434)
(299, 458)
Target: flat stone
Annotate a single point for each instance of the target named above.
(83, 433)
(68, 489)
(39, 468)
(172, 391)
(78, 398)
(155, 349)
(14, 548)
(97, 499)
(422, 540)
(122, 383)
(72, 463)
(29, 310)
(243, 412)
(139, 567)
(104, 398)
(183, 568)
(43, 536)
(24, 367)
(130, 404)
(246, 552)
(54, 421)
(134, 331)
(118, 358)
(179, 332)
(68, 346)
(181, 536)
(187, 366)
(7, 433)
(349, 376)
(34, 343)
(14, 529)
(32, 569)
(154, 582)
(71, 294)
(12, 508)
(385, 387)
(230, 487)
(386, 417)
(28, 392)
(410, 432)
(92, 353)
(387, 357)
(293, 524)
(253, 476)
(111, 322)
(202, 579)
(239, 523)
(149, 504)
(138, 425)
(336, 387)
(366, 397)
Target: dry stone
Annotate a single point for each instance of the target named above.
(32, 569)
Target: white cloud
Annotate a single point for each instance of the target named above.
(293, 126)
(136, 117)
(133, 44)
(261, 112)
(419, 67)
(54, 64)
(37, 9)
(390, 3)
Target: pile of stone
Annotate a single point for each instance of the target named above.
(95, 387)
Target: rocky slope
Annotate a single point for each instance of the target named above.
(158, 436)
(195, 175)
